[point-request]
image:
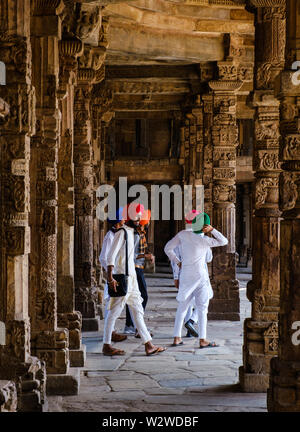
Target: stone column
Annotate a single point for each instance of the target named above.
(225, 303)
(261, 330)
(69, 48)
(49, 342)
(85, 288)
(16, 363)
(284, 390)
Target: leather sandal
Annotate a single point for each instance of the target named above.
(156, 351)
(114, 352)
(210, 345)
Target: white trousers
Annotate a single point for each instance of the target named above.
(107, 300)
(116, 305)
(201, 297)
(191, 314)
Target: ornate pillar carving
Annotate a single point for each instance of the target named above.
(261, 330)
(16, 362)
(284, 390)
(70, 48)
(225, 304)
(49, 341)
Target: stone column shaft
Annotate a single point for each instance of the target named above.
(225, 304)
(85, 298)
(16, 362)
(261, 330)
(284, 390)
(48, 342)
(69, 48)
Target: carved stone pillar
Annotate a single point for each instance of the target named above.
(49, 342)
(225, 303)
(261, 330)
(69, 48)
(284, 390)
(16, 363)
(85, 289)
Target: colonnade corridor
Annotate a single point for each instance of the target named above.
(182, 379)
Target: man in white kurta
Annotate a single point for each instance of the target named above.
(191, 316)
(107, 242)
(116, 265)
(194, 283)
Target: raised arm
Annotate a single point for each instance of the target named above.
(169, 249)
(218, 240)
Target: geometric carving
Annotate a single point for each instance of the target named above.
(271, 339)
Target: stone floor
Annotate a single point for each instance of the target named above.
(182, 379)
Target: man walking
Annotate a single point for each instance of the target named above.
(114, 225)
(116, 265)
(194, 278)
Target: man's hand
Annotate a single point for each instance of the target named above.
(176, 283)
(149, 257)
(113, 284)
(179, 264)
(207, 229)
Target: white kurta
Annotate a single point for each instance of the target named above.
(194, 249)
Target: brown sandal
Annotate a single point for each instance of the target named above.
(156, 351)
(114, 352)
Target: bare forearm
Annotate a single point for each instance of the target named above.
(109, 272)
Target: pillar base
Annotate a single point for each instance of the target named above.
(284, 389)
(90, 324)
(78, 356)
(8, 396)
(63, 385)
(252, 382)
(223, 316)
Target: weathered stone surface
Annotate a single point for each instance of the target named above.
(67, 384)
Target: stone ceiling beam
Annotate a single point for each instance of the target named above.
(132, 39)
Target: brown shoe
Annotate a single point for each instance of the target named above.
(116, 337)
(108, 350)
